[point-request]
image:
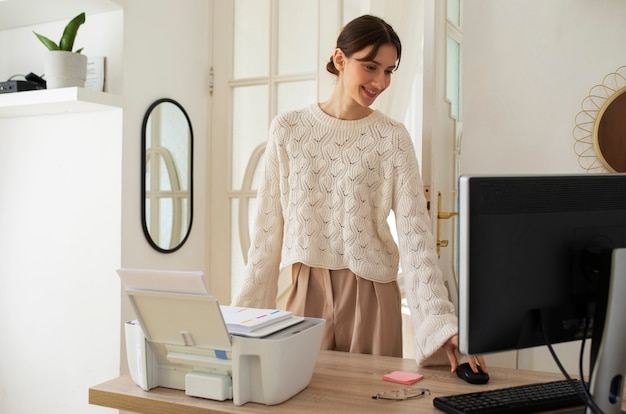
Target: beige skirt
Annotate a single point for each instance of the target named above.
(361, 316)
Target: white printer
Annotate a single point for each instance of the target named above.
(180, 340)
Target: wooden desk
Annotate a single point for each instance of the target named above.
(342, 383)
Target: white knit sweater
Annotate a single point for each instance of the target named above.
(324, 198)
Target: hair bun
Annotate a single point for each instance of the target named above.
(330, 67)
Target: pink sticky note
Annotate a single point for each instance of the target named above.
(402, 377)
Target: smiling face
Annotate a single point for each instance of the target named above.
(364, 79)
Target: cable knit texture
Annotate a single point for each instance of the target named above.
(324, 198)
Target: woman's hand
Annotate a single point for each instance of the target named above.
(451, 346)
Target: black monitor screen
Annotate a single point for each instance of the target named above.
(531, 256)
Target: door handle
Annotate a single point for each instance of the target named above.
(444, 216)
(441, 215)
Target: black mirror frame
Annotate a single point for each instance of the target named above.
(144, 224)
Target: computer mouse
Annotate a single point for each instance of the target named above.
(464, 371)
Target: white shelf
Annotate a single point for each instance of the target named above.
(56, 101)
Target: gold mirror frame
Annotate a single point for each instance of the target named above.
(609, 133)
(599, 132)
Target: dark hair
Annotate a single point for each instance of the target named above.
(362, 32)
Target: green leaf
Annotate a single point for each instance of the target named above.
(69, 34)
(47, 42)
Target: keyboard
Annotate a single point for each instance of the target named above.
(513, 400)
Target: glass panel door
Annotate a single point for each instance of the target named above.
(268, 56)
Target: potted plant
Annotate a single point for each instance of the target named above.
(64, 67)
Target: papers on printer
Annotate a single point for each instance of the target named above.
(246, 320)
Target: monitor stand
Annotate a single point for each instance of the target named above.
(609, 368)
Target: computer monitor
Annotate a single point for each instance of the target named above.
(541, 258)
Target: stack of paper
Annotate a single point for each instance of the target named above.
(243, 320)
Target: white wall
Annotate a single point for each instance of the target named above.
(59, 242)
(60, 198)
(527, 66)
(60, 233)
(166, 54)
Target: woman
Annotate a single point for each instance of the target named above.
(333, 172)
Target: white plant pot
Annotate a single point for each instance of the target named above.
(65, 69)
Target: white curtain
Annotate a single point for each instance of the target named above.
(407, 18)
(403, 100)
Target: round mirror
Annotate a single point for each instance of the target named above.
(166, 175)
(609, 138)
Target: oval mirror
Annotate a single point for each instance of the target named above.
(609, 138)
(166, 175)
